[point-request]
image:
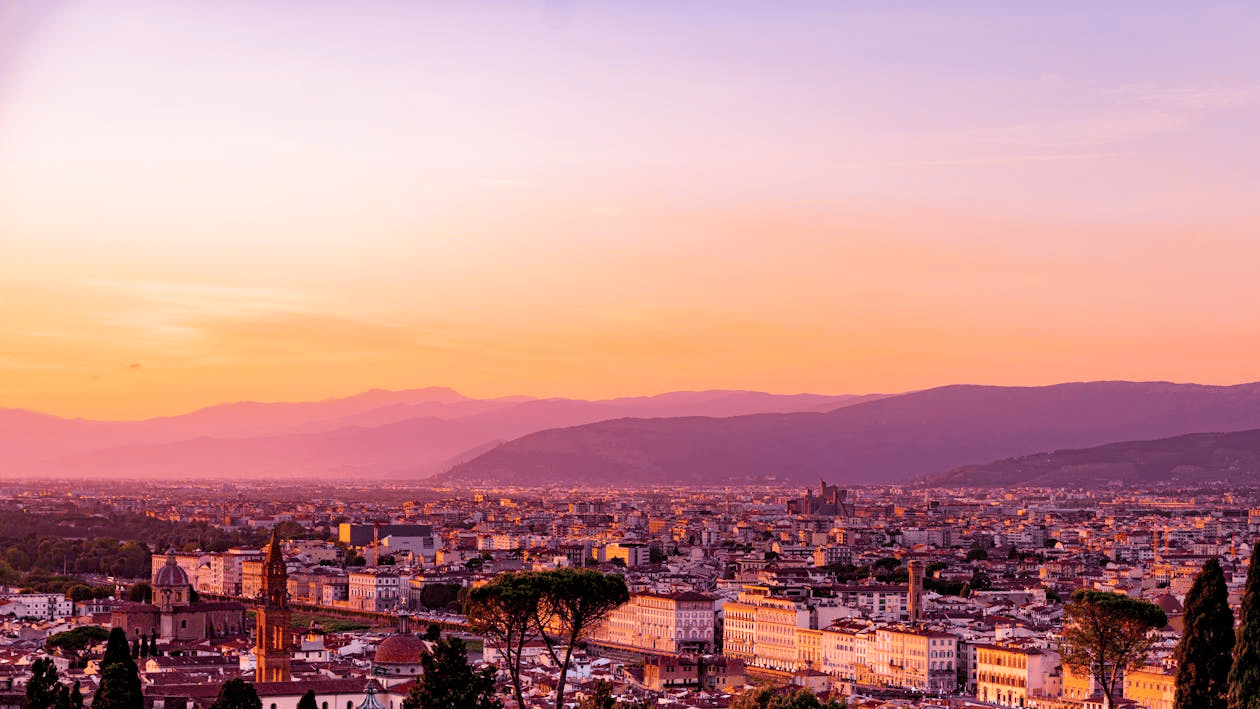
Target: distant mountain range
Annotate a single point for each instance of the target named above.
(713, 437)
(1182, 460)
(377, 433)
(891, 439)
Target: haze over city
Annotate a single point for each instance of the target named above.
(204, 202)
(614, 354)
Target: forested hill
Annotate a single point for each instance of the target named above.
(891, 440)
(46, 544)
(1182, 460)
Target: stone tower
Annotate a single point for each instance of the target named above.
(915, 595)
(271, 650)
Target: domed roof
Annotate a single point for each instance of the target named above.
(1170, 604)
(401, 649)
(171, 574)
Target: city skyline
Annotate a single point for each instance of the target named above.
(212, 202)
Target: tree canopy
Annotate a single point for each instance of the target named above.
(772, 698)
(73, 642)
(505, 611)
(559, 607)
(574, 602)
(449, 682)
(1107, 633)
(237, 694)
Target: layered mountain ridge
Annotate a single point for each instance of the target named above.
(376, 434)
(893, 439)
(714, 437)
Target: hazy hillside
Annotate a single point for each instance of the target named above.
(27, 437)
(892, 439)
(1188, 459)
(380, 433)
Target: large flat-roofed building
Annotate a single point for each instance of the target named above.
(376, 590)
(673, 623)
(1152, 687)
(1010, 674)
(889, 602)
(361, 535)
(760, 628)
(913, 658)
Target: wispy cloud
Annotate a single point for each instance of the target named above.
(167, 310)
(1098, 130)
(1195, 97)
(504, 183)
(212, 299)
(998, 160)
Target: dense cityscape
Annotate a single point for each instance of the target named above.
(629, 354)
(876, 597)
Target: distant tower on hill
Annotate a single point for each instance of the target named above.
(271, 650)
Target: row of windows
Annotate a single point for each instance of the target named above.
(990, 678)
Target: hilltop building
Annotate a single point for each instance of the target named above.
(832, 501)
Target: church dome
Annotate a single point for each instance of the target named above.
(171, 574)
(401, 649)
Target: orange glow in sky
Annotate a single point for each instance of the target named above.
(212, 201)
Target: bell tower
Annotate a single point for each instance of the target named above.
(271, 649)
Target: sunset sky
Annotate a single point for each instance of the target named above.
(217, 200)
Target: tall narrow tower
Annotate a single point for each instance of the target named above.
(271, 650)
(915, 592)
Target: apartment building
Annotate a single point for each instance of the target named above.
(375, 590)
(912, 658)
(631, 554)
(1008, 674)
(674, 623)
(1151, 687)
(844, 648)
(887, 602)
(223, 573)
(708, 672)
(36, 605)
(760, 627)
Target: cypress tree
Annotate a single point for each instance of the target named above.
(120, 678)
(308, 700)
(42, 687)
(63, 697)
(1244, 676)
(1205, 653)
